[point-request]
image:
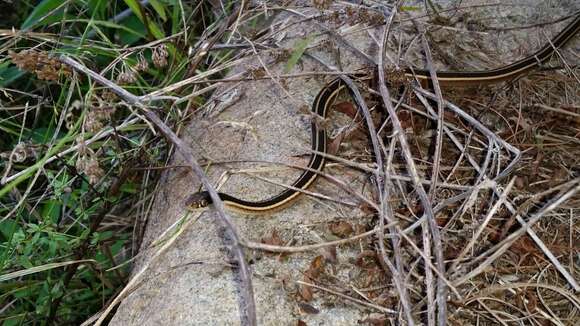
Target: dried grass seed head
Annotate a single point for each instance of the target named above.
(87, 162)
(159, 56)
(127, 76)
(39, 63)
(142, 64)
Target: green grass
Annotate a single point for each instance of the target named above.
(67, 217)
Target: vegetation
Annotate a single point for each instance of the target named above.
(75, 159)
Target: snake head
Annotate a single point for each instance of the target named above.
(198, 200)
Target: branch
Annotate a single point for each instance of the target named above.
(232, 238)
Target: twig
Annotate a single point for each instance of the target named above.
(100, 135)
(283, 249)
(355, 94)
(440, 115)
(280, 76)
(567, 275)
(481, 128)
(503, 246)
(502, 199)
(204, 46)
(425, 202)
(330, 178)
(436, 161)
(232, 237)
(429, 264)
(344, 296)
(338, 159)
(486, 291)
(365, 57)
(307, 192)
(557, 110)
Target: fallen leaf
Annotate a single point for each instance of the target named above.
(308, 309)
(341, 229)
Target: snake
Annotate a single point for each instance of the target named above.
(327, 95)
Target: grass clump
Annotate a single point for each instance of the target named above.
(76, 160)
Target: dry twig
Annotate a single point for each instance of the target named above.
(233, 238)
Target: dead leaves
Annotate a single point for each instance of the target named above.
(310, 275)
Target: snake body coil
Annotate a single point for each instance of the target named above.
(327, 95)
